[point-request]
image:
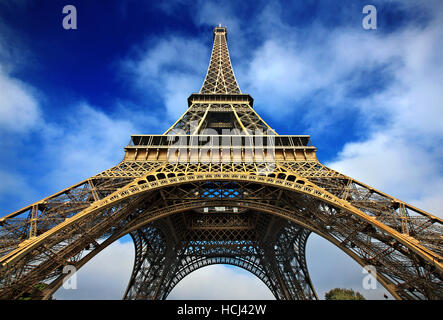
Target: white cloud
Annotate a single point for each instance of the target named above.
(323, 64)
(91, 137)
(387, 160)
(177, 89)
(19, 109)
(86, 143)
(20, 115)
(172, 67)
(329, 268)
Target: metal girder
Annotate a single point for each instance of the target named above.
(399, 268)
(249, 205)
(247, 251)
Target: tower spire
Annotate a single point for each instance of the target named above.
(220, 104)
(220, 77)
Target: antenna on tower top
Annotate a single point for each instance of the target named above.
(219, 25)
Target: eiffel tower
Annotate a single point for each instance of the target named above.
(220, 187)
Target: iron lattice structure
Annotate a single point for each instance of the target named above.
(220, 186)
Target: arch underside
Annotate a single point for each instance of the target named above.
(277, 257)
(107, 211)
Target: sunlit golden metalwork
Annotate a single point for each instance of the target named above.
(220, 186)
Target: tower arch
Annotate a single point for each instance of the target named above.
(206, 188)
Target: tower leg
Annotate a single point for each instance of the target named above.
(160, 263)
(151, 251)
(286, 262)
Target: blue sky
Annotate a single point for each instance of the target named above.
(370, 99)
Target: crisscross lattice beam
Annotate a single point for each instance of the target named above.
(197, 204)
(220, 76)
